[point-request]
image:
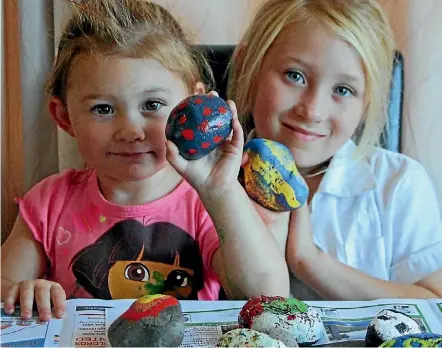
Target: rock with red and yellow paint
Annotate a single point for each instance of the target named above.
(248, 338)
(151, 321)
(198, 124)
(287, 319)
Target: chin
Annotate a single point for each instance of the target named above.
(135, 173)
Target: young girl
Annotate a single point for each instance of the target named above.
(309, 74)
(129, 225)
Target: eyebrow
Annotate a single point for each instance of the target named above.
(146, 91)
(299, 61)
(349, 78)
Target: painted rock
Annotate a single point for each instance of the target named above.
(415, 340)
(286, 319)
(271, 177)
(151, 321)
(198, 124)
(389, 324)
(247, 338)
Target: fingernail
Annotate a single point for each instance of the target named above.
(9, 310)
(26, 314)
(60, 313)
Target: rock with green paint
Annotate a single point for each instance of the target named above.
(286, 319)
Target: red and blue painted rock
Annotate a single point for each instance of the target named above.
(198, 124)
(286, 319)
(151, 321)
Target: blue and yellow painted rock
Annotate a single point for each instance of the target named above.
(198, 124)
(415, 340)
(271, 177)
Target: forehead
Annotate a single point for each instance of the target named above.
(317, 45)
(110, 73)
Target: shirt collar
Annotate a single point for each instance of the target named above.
(346, 175)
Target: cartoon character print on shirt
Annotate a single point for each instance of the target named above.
(131, 260)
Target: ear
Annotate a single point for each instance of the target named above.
(59, 113)
(199, 88)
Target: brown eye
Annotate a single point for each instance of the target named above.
(102, 109)
(137, 272)
(152, 106)
(178, 278)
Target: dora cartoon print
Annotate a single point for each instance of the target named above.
(131, 260)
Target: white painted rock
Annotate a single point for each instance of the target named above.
(389, 324)
(248, 338)
(286, 319)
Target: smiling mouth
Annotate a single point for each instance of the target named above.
(130, 154)
(303, 134)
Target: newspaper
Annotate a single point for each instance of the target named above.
(87, 321)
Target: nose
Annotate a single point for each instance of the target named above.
(130, 128)
(312, 106)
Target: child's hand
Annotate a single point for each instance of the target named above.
(43, 292)
(219, 169)
(276, 222)
(301, 247)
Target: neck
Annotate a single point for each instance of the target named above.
(313, 177)
(313, 185)
(139, 191)
(316, 170)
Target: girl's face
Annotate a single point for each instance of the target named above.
(310, 93)
(118, 108)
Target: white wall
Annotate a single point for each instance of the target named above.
(418, 28)
(39, 132)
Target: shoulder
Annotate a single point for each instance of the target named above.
(60, 183)
(403, 185)
(400, 178)
(380, 170)
(390, 167)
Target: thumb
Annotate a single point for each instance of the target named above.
(174, 158)
(244, 159)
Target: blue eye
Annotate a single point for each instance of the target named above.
(295, 76)
(343, 91)
(152, 106)
(102, 109)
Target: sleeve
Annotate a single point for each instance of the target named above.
(41, 207)
(416, 227)
(207, 237)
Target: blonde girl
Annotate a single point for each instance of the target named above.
(311, 74)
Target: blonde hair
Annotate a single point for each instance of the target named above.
(361, 23)
(132, 28)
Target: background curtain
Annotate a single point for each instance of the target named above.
(33, 148)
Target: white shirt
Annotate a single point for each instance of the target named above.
(378, 214)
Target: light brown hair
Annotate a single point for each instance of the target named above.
(131, 28)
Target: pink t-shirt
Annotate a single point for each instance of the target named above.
(102, 250)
